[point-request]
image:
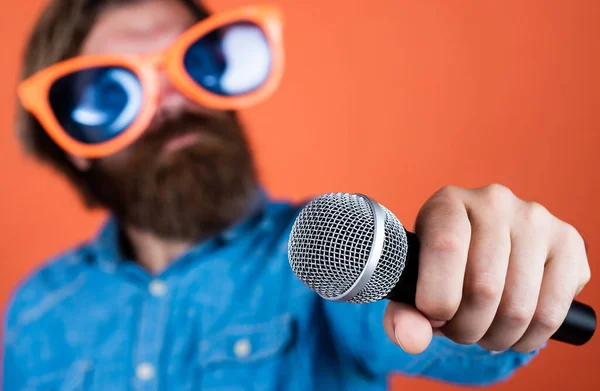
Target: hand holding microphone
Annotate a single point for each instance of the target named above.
(483, 267)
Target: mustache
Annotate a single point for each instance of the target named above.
(180, 125)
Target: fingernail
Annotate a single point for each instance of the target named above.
(437, 323)
(397, 338)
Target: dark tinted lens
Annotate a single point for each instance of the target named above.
(96, 104)
(233, 60)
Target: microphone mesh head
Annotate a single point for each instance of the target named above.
(331, 241)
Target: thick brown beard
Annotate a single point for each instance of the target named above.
(188, 194)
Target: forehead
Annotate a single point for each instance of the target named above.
(138, 27)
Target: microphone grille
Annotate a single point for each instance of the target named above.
(331, 242)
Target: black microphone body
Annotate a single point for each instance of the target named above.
(577, 328)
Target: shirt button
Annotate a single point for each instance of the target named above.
(242, 348)
(144, 371)
(157, 288)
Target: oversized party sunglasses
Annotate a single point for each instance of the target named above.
(95, 105)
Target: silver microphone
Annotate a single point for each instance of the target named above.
(347, 247)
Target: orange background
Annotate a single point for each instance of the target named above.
(394, 99)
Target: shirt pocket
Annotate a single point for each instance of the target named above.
(248, 356)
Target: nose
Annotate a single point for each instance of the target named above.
(171, 102)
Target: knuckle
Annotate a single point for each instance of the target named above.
(572, 235)
(576, 253)
(498, 195)
(584, 278)
(483, 290)
(586, 275)
(536, 213)
(440, 308)
(448, 191)
(446, 242)
(549, 319)
(518, 314)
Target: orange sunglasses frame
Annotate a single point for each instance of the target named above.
(34, 91)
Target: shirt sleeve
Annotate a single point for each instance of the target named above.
(358, 332)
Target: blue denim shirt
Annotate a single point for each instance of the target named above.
(227, 315)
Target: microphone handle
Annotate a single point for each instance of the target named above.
(577, 328)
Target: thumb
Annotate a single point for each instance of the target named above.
(407, 327)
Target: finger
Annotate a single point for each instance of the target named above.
(407, 328)
(560, 284)
(444, 233)
(485, 274)
(528, 256)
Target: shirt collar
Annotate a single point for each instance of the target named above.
(106, 246)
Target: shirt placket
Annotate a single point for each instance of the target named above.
(151, 332)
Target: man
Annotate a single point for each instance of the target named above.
(188, 286)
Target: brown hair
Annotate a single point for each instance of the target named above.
(58, 35)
